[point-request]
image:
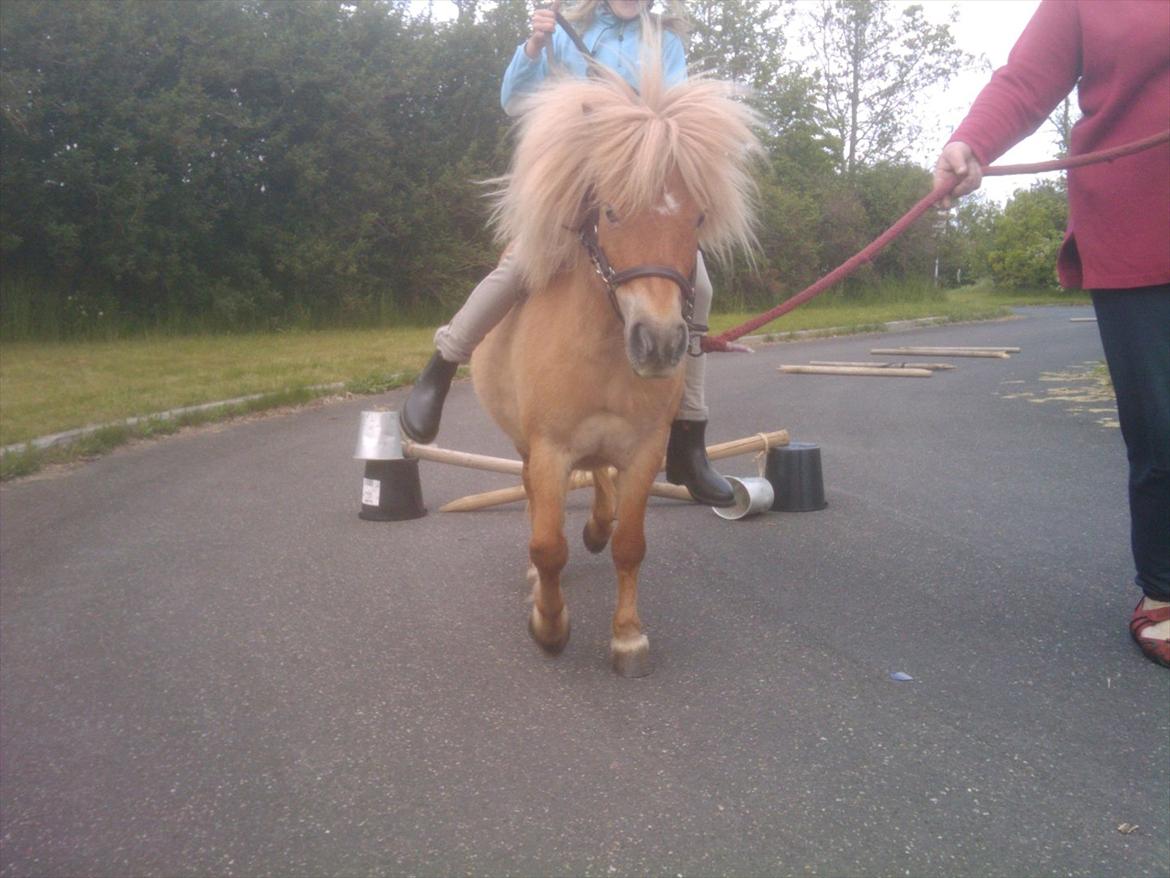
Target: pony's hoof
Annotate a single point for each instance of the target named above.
(594, 542)
(552, 636)
(630, 655)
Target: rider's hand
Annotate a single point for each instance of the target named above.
(957, 166)
(544, 22)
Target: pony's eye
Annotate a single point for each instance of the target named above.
(610, 215)
(702, 219)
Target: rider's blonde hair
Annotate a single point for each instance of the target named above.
(673, 15)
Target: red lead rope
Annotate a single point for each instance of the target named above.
(723, 341)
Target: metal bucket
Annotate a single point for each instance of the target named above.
(752, 495)
(378, 438)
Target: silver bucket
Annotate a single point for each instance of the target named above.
(378, 438)
(752, 495)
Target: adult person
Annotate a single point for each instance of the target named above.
(1117, 54)
(611, 31)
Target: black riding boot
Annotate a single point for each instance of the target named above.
(687, 464)
(424, 405)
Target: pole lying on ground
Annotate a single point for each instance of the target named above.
(996, 353)
(934, 367)
(500, 497)
(872, 371)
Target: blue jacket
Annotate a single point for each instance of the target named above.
(615, 42)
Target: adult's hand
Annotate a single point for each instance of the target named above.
(957, 167)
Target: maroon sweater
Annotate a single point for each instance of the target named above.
(1119, 212)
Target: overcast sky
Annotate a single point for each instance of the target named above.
(986, 29)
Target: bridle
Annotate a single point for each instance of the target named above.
(610, 276)
(613, 279)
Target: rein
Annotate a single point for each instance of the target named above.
(611, 277)
(724, 341)
(571, 32)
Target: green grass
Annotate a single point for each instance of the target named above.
(52, 387)
(862, 317)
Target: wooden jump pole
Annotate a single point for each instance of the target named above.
(872, 371)
(579, 478)
(934, 367)
(997, 353)
(502, 496)
(461, 458)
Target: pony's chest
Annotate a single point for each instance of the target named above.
(607, 439)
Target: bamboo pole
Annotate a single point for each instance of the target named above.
(462, 458)
(758, 442)
(983, 347)
(472, 502)
(580, 478)
(873, 371)
(934, 367)
(514, 467)
(485, 499)
(940, 352)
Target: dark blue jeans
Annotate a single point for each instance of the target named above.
(1135, 331)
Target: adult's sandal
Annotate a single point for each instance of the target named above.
(1153, 649)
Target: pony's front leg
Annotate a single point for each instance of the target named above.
(629, 649)
(546, 475)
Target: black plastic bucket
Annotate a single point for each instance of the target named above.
(391, 491)
(795, 473)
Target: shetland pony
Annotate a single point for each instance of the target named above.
(586, 372)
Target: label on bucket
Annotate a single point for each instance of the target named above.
(371, 492)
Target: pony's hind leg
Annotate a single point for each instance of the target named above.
(546, 473)
(629, 649)
(600, 524)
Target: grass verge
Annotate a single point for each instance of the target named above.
(47, 388)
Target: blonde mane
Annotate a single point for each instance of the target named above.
(598, 139)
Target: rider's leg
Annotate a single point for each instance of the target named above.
(491, 299)
(686, 455)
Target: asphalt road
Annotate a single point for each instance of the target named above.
(212, 666)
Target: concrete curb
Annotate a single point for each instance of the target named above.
(68, 436)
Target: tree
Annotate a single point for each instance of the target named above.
(965, 240)
(242, 163)
(1026, 238)
(873, 66)
(741, 40)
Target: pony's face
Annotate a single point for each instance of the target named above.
(664, 235)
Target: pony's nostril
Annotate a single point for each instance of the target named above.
(656, 348)
(641, 341)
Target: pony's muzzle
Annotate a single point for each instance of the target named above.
(654, 349)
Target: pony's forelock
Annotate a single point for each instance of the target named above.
(597, 137)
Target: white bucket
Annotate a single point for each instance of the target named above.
(752, 495)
